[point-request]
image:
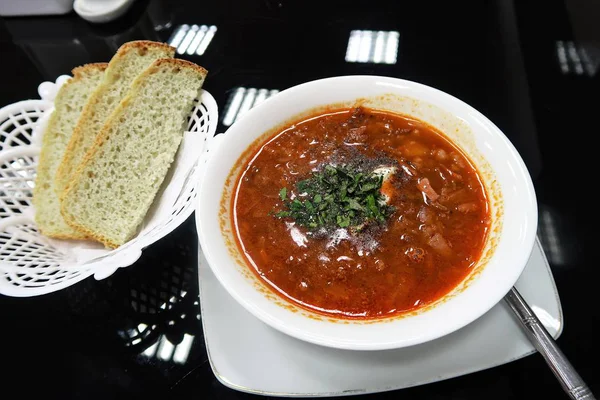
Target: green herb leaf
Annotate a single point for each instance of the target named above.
(296, 205)
(303, 186)
(343, 221)
(283, 194)
(367, 187)
(353, 204)
(308, 205)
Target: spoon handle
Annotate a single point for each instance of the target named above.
(543, 342)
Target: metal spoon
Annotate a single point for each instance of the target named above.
(543, 342)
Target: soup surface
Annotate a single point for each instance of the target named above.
(357, 213)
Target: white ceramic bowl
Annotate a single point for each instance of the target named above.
(509, 186)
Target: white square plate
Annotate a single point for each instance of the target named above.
(249, 356)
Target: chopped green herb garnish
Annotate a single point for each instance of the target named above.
(336, 197)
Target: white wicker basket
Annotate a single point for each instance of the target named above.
(32, 264)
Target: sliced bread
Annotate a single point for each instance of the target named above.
(131, 59)
(68, 104)
(116, 183)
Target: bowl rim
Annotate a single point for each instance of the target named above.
(476, 310)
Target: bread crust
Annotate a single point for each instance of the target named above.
(177, 62)
(78, 72)
(143, 44)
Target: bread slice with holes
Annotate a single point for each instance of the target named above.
(68, 104)
(131, 59)
(116, 183)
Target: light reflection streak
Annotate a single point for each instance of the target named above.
(378, 47)
(192, 39)
(242, 100)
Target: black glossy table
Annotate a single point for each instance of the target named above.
(531, 69)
